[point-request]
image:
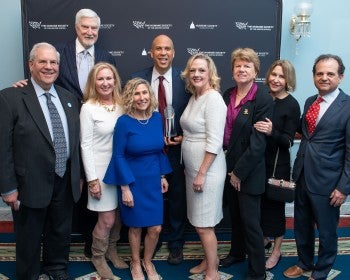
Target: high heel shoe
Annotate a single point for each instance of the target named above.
(198, 269)
(151, 275)
(217, 277)
(136, 274)
(275, 264)
(268, 246)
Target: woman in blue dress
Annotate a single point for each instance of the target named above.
(138, 166)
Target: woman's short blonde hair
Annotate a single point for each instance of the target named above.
(214, 79)
(90, 89)
(128, 96)
(246, 54)
(288, 72)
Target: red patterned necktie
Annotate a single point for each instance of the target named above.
(312, 114)
(161, 97)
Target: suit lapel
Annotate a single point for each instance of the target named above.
(332, 111)
(176, 85)
(68, 109)
(72, 62)
(32, 103)
(244, 116)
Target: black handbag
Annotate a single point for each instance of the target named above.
(279, 189)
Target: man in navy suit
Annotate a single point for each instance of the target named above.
(322, 171)
(87, 25)
(41, 197)
(162, 52)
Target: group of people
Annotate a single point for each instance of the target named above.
(222, 155)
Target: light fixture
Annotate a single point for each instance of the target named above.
(300, 25)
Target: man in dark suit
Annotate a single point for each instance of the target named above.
(321, 169)
(87, 24)
(40, 194)
(162, 52)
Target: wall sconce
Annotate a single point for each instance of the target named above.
(300, 25)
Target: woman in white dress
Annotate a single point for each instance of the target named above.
(98, 116)
(203, 123)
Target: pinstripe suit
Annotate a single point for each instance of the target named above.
(68, 77)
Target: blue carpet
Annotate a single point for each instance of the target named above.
(79, 266)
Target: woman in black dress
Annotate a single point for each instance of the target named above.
(281, 130)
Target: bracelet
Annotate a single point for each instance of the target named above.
(92, 183)
(162, 177)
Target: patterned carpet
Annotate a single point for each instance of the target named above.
(192, 253)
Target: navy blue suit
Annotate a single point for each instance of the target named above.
(68, 77)
(322, 164)
(176, 202)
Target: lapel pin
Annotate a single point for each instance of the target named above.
(245, 112)
(69, 105)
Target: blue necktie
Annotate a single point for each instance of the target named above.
(59, 139)
(83, 69)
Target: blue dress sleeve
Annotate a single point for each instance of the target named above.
(165, 167)
(118, 171)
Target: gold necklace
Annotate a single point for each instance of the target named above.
(108, 108)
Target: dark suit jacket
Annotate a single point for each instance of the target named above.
(68, 77)
(245, 153)
(325, 156)
(180, 99)
(26, 149)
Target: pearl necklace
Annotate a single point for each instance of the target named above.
(142, 121)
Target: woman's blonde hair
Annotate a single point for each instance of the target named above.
(90, 89)
(214, 79)
(128, 96)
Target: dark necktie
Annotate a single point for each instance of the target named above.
(312, 114)
(161, 97)
(83, 70)
(59, 139)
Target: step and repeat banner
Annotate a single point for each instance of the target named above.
(128, 28)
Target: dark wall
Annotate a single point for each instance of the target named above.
(128, 27)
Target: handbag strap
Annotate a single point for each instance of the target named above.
(290, 162)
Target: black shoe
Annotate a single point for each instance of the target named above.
(176, 256)
(87, 249)
(59, 275)
(229, 260)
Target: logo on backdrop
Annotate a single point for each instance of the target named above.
(107, 26)
(150, 26)
(193, 51)
(203, 26)
(117, 53)
(245, 26)
(39, 25)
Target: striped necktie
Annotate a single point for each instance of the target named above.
(83, 69)
(161, 97)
